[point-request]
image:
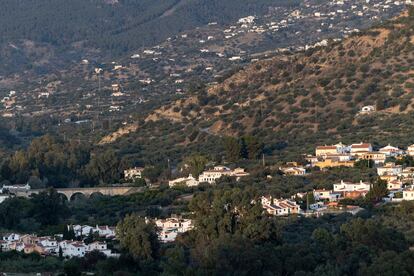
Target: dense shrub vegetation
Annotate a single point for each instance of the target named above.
(119, 26)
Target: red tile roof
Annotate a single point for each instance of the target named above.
(359, 146)
(325, 147)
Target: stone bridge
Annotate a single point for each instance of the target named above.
(71, 193)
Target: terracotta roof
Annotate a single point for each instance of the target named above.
(358, 191)
(216, 171)
(98, 242)
(325, 147)
(284, 205)
(78, 244)
(274, 207)
(363, 145)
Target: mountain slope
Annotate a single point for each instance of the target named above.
(371, 68)
(109, 28)
(295, 101)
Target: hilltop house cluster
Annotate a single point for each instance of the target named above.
(327, 201)
(342, 155)
(54, 246)
(292, 168)
(8, 191)
(209, 176)
(344, 190)
(279, 207)
(133, 173)
(169, 228)
(103, 231)
(399, 178)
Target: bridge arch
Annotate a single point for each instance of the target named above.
(71, 193)
(96, 194)
(77, 195)
(64, 196)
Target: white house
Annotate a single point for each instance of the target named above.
(73, 248)
(394, 185)
(11, 237)
(408, 194)
(390, 151)
(326, 150)
(246, 20)
(101, 247)
(189, 181)
(105, 231)
(342, 148)
(337, 149)
(293, 170)
(4, 245)
(360, 148)
(85, 230)
(18, 246)
(171, 227)
(3, 197)
(351, 187)
(50, 245)
(133, 173)
(210, 176)
(317, 206)
(15, 188)
(279, 207)
(344, 157)
(168, 235)
(47, 242)
(408, 172)
(367, 109)
(322, 194)
(410, 150)
(183, 225)
(81, 230)
(389, 169)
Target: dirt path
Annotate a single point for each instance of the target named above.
(171, 10)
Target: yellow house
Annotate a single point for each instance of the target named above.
(377, 157)
(329, 163)
(389, 177)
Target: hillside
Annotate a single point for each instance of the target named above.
(70, 30)
(294, 101)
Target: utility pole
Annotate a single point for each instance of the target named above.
(98, 72)
(99, 94)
